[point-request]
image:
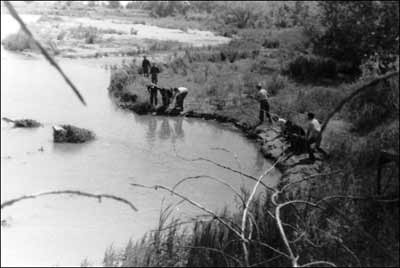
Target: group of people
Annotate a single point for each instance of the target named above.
(298, 138)
(168, 95)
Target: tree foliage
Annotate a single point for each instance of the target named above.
(353, 31)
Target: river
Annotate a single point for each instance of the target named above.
(63, 230)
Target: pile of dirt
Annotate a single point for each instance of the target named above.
(71, 134)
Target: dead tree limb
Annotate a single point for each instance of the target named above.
(352, 95)
(70, 192)
(246, 208)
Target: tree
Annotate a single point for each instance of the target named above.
(355, 30)
(114, 4)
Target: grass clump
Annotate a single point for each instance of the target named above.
(19, 41)
(71, 134)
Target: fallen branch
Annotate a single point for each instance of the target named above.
(71, 192)
(352, 95)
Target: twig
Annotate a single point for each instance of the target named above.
(15, 15)
(371, 198)
(293, 258)
(318, 263)
(236, 192)
(224, 167)
(156, 187)
(72, 192)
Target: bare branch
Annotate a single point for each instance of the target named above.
(318, 263)
(212, 178)
(352, 95)
(156, 187)
(222, 166)
(371, 198)
(71, 192)
(244, 217)
(15, 15)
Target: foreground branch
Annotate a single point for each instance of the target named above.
(71, 192)
(47, 56)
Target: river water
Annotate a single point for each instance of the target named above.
(63, 230)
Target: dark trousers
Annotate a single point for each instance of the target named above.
(317, 141)
(179, 100)
(264, 109)
(153, 97)
(154, 79)
(146, 72)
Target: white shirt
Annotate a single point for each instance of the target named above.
(182, 89)
(314, 128)
(262, 94)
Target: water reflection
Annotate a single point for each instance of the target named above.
(163, 128)
(151, 131)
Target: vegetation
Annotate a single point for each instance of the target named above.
(308, 63)
(18, 42)
(302, 75)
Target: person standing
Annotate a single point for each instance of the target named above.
(154, 71)
(145, 66)
(313, 136)
(152, 89)
(262, 97)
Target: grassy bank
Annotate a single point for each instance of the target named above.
(352, 226)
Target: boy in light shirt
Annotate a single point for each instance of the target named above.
(313, 136)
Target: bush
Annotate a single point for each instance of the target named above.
(90, 34)
(311, 68)
(271, 43)
(355, 30)
(277, 83)
(18, 42)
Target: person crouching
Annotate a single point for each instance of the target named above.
(180, 94)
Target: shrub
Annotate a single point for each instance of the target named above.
(271, 43)
(355, 30)
(311, 68)
(277, 83)
(88, 33)
(18, 42)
